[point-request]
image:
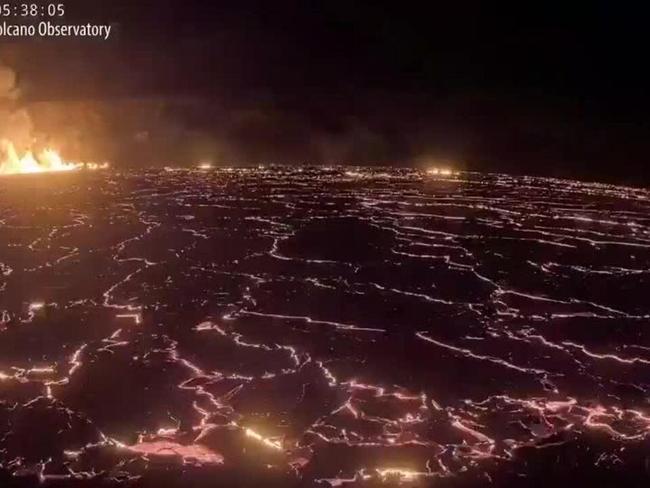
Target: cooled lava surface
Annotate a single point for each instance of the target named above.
(325, 327)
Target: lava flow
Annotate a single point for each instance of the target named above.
(329, 327)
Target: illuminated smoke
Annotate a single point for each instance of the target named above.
(19, 151)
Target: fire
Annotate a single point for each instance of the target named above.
(45, 161)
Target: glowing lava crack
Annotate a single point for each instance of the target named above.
(322, 327)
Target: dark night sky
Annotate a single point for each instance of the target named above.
(559, 89)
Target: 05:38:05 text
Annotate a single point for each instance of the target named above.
(32, 10)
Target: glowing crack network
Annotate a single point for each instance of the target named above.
(333, 327)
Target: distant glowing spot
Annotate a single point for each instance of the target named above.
(96, 166)
(401, 474)
(440, 171)
(35, 306)
(205, 166)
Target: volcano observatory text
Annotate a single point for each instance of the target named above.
(48, 29)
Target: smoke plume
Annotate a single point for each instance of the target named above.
(15, 121)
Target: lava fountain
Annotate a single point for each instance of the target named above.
(45, 161)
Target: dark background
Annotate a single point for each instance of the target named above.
(530, 87)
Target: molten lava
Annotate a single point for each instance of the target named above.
(47, 160)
